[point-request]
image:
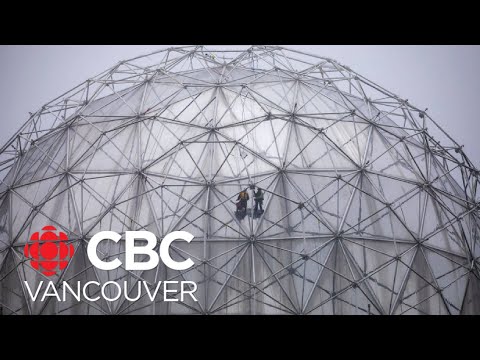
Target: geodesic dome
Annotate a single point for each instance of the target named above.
(370, 208)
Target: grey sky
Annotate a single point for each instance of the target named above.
(446, 79)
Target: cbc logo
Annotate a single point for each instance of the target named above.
(48, 251)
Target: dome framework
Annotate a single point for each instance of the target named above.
(370, 207)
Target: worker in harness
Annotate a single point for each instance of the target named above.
(258, 200)
(242, 199)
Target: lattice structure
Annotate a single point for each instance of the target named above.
(370, 208)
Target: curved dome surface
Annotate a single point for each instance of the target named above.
(370, 208)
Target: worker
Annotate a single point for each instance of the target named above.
(243, 198)
(258, 200)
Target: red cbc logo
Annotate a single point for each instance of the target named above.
(48, 252)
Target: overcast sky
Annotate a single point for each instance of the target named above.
(446, 79)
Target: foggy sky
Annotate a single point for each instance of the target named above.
(445, 79)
